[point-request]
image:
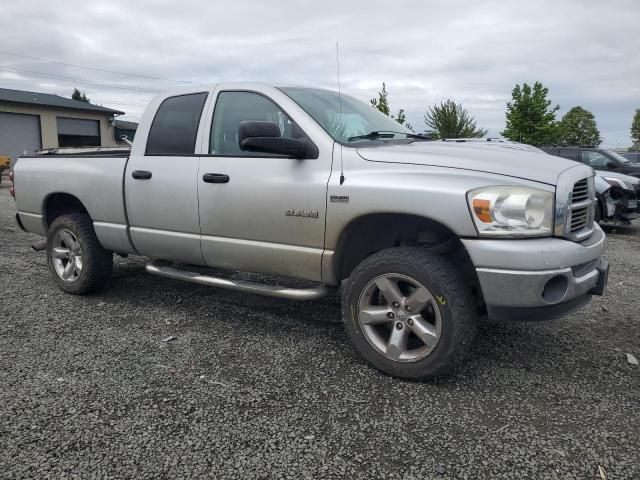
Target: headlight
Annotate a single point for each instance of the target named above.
(511, 211)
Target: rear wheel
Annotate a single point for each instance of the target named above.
(76, 259)
(409, 312)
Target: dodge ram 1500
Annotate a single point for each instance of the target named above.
(425, 237)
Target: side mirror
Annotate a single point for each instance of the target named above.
(264, 137)
(612, 165)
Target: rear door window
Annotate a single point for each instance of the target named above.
(175, 126)
(570, 154)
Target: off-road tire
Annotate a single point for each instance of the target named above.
(456, 302)
(97, 262)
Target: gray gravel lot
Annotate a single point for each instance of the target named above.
(253, 387)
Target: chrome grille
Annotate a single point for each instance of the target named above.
(580, 191)
(575, 198)
(579, 219)
(579, 214)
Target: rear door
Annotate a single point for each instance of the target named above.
(264, 213)
(161, 185)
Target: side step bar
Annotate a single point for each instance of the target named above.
(239, 285)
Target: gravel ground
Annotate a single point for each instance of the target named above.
(252, 387)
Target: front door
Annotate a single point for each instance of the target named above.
(261, 212)
(161, 185)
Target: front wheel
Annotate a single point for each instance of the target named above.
(76, 259)
(409, 312)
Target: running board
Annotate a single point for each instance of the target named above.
(240, 285)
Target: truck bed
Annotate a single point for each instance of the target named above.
(85, 152)
(96, 177)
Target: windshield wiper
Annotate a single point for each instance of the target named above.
(376, 134)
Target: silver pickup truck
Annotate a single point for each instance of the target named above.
(425, 237)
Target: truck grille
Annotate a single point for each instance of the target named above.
(579, 218)
(580, 191)
(575, 200)
(580, 214)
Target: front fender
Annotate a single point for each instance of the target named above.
(434, 193)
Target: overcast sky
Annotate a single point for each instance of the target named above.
(587, 52)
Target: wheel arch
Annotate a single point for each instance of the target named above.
(61, 203)
(372, 232)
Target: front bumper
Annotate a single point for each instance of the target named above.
(538, 278)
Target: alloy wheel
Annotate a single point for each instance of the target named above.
(67, 255)
(399, 317)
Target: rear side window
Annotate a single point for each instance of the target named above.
(595, 159)
(175, 126)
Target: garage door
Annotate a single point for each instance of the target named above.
(19, 133)
(78, 132)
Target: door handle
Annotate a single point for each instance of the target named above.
(215, 178)
(141, 174)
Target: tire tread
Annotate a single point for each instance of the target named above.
(97, 262)
(463, 309)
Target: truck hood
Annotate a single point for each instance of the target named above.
(501, 159)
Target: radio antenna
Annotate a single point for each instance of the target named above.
(339, 111)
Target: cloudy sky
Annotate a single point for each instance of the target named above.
(587, 52)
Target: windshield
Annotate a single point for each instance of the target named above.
(357, 118)
(617, 156)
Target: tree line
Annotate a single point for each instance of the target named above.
(530, 118)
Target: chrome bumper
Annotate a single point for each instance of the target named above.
(538, 278)
(534, 289)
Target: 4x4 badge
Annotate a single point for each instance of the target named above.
(339, 198)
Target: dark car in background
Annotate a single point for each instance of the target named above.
(633, 156)
(617, 181)
(598, 158)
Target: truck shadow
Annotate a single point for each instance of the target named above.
(545, 349)
(632, 229)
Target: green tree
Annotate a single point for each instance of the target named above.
(80, 96)
(382, 102)
(451, 120)
(401, 118)
(578, 127)
(530, 117)
(635, 131)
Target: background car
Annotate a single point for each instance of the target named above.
(633, 156)
(618, 197)
(598, 158)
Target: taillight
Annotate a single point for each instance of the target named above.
(12, 190)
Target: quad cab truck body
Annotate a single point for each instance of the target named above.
(424, 237)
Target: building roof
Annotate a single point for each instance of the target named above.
(49, 100)
(125, 125)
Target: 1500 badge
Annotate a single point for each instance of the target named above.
(302, 213)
